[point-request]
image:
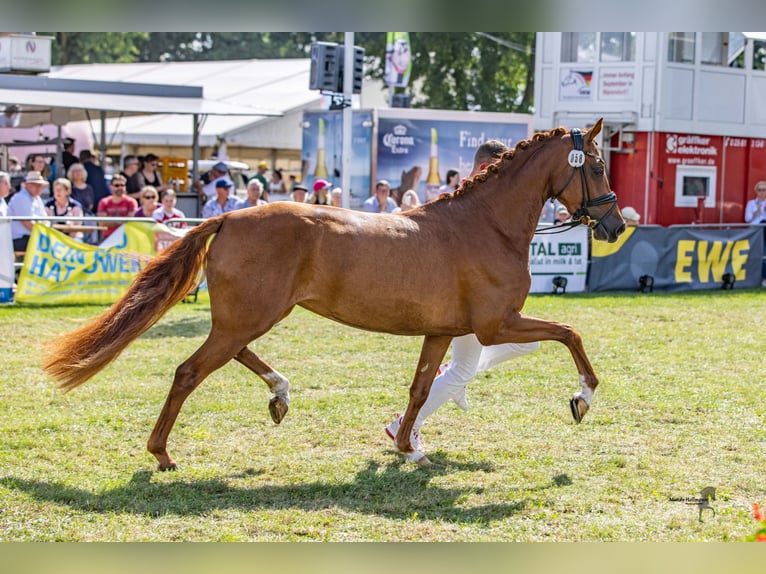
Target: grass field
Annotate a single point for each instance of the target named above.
(680, 407)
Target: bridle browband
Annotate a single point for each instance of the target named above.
(577, 161)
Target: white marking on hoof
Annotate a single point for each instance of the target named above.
(586, 393)
(416, 456)
(279, 385)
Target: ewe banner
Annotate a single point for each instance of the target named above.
(58, 269)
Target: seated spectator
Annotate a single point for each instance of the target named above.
(381, 202)
(27, 202)
(149, 203)
(37, 162)
(168, 211)
(5, 189)
(336, 197)
(254, 193)
(118, 204)
(755, 209)
(82, 192)
(631, 216)
(62, 204)
(321, 193)
(410, 199)
(562, 215)
(299, 193)
(210, 178)
(223, 202)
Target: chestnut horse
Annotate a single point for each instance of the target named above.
(455, 266)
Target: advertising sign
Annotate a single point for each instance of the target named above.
(322, 151)
(559, 255)
(6, 262)
(59, 269)
(575, 84)
(398, 59)
(416, 153)
(616, 83)
(677, 259)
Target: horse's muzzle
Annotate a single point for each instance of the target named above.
(604, 231)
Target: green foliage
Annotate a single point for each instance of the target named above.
(679, 408)
(452, 70)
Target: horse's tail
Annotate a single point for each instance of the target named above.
(75, 357)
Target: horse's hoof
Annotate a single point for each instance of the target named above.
(579, 407)
(172, 466)
(418, 458)
(277, 409)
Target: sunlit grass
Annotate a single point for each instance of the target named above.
(680, 407)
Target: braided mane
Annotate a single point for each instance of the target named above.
(496, 166)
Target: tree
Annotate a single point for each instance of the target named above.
(95, 47)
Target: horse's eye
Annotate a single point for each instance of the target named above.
(598, 170)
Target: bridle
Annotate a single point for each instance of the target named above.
(577, 161)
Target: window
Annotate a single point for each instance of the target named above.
(713, 47)
(723, 49)
(618, 46)
(578, 47)
(681, 47)
(759, 55)
(693, 183)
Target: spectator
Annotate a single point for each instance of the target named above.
(631, 216)
(755, 210)
(410, 199)
(148, 174)
(261, 176)
(27, 202)
(380, 202)
(562, 215)
(130, 166)
(254, 192)
(452, 182)
(149, 203)
(292, 180)
(548, 213)
(277, 185)
(336, 197)
(62, 204)
(37, 162)
(67, 155)
(14, 168)
(223, 202)
(168, 211)
(116, 205)
(210, 178)
(321, 193)
(299, 193)
(96, 177)
(82, 192)
(469, 357)
(5, 189)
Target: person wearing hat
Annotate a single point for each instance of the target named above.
(223, 202)
(381, 201)
(321, 192)
(261, 176)
(562, 215)
(631, 216)
(27, 202)
(219, 171)
(299, 193)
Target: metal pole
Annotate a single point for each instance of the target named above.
(348, 90)
(193, 188)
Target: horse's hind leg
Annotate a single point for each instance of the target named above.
(278, 383)
(213, 354)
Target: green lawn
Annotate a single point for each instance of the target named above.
(680, 407)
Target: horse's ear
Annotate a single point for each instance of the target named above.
(595, 130)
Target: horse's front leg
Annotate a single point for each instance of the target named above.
(431, 355)
(521, 329)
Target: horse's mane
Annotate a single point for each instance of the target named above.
(532, 143)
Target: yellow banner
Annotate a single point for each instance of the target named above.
(59, 269)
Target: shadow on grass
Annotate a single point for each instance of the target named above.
(185, 327)
(394, 491)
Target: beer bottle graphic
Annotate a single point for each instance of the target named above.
(433, 181)
(321, 168)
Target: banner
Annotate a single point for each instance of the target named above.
(559, 255)
(58, 269)
(398, 59)
(677, 258)
(6, 263)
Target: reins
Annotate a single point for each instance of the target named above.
(577, 160)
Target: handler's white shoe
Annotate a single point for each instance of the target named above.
(393, 428)
(460, 400)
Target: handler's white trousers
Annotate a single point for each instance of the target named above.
(469, 357)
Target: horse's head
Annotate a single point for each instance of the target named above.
(588, 197)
